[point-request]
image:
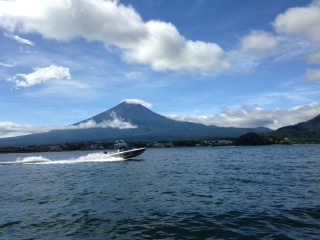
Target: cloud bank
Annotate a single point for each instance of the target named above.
(41, 75)
(154, 43)
(9, 129)
(252, 117)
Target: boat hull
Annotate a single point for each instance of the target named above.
(128, 153)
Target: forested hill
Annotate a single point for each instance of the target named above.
(308, 131)
(304, 132)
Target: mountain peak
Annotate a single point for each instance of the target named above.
(137, 101)
(130, 111)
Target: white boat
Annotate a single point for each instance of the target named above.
(125, 151)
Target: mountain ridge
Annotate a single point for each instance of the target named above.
(150, 126)
(304, 130)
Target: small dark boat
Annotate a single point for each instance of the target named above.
(125, 151)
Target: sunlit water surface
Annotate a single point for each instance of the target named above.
(184, 193)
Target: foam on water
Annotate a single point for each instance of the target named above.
(92, 157)
(32, 159)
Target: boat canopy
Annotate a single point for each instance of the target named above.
(120, 143)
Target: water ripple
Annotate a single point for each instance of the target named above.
(201, 193)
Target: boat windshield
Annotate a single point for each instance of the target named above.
(121, 146)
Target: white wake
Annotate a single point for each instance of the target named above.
(90, 158)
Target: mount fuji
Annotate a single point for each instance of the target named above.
(130, 122)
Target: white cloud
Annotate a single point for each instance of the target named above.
(254, 49)
(165, 49)
(154, 43)
(314, 57)
(259, 41)
(251, 117)
(9, 129)
(115, 123)
(313, 75)
(7, 65)
(113, 23)
(297, 36)
(138, 101)
(41, 75)
(19, 39)
(302, 21)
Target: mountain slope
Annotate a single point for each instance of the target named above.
(150, 126)
(304, 130)
(141, 116)
(149, 123)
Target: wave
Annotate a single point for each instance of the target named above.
(90, 158)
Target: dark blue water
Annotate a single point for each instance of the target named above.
(186, 193)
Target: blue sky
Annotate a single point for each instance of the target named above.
(223, 62)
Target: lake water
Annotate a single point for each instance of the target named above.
(270, 192)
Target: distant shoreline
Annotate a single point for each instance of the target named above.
(103, 146)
